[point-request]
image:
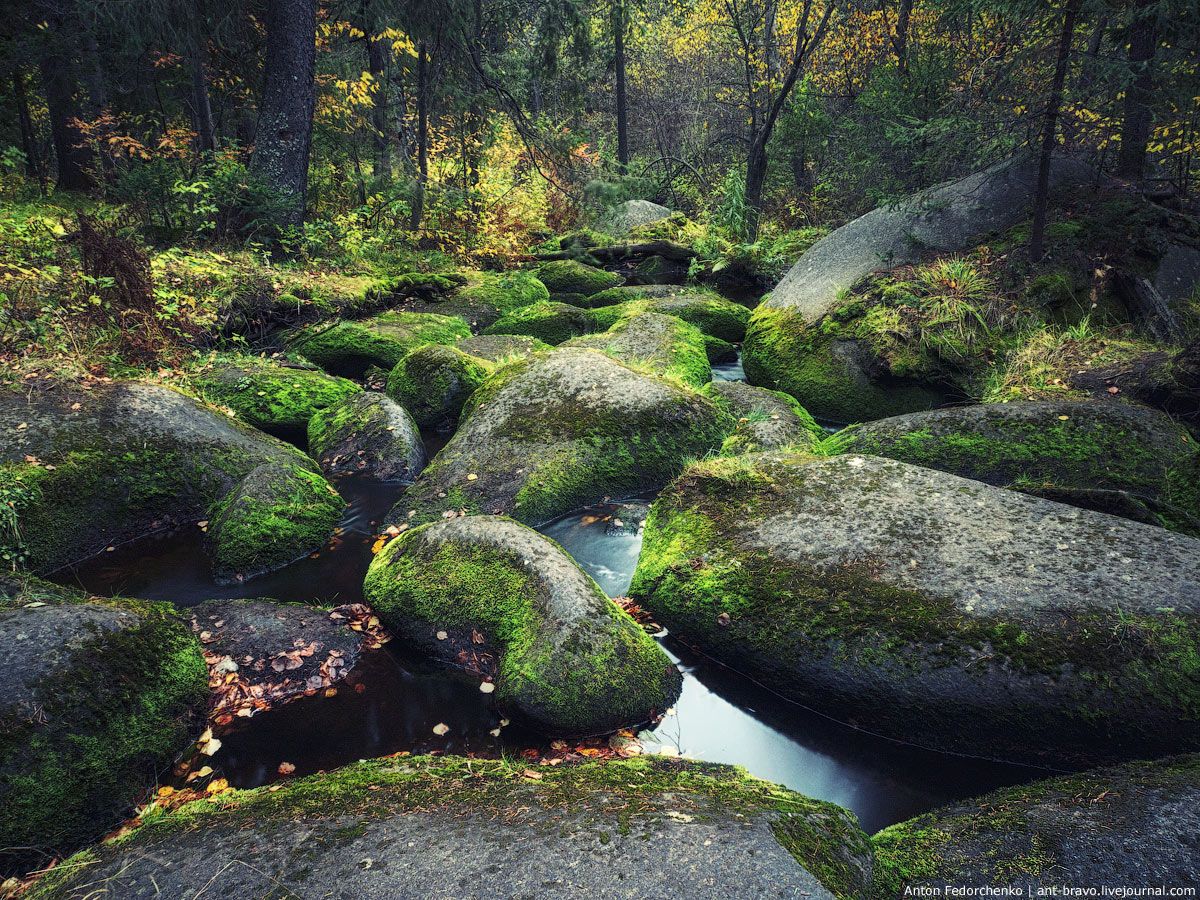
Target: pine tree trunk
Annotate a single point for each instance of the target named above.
(377, 54)
(283, 137)
(206, 132)
(900, 40)
(1139, 95)
(73, 157)
(418, 207)
(622, 104)
(1041, 198)
(29, 145)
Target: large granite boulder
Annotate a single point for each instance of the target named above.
(560, 430)
(1127, 827)
(452, 827)
(1113, 457)
(631, 214)
(566, 658)
(85, 469)
(367, 434)
(101, 695)
(933, 609)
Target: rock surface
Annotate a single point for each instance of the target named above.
(654, 343)
(100, 695)
(485, 297)
(933, 609)
(350, 348)
(561, 430)
(550, 322)
(566, 658)
(1131, 826)
(632, 214)
(86, 469)
(1115, 458)
(456, 828)
(500, 347)
(767, 420)
(568, 276)
(433, 382)
(369, 434)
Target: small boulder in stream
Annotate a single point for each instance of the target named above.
(368, 434)
(706, 309)
(100, 695)
(549, 321)
(1113, 457)
(497, 348)
(766, 420)
(85, 469)
(349, 348)
(933, 609)
(494, 595)
(560, 430)
(568, 276)
(1130, 826)
(433, 382)
(657, 344)
(454, 827)
(631, 214)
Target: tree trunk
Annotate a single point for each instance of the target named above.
(622, 106)
(283, 137)
(756, 176)
(73, 157)
(378, 50)
(29, 146)
(1041, 198)
(900, 39)
(1139, 94)
(418, 207)
(206, 132)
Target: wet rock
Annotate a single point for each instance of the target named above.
(349, 348)
(767, 420)
(87, 469)
(451, 827)
(931, 608)
(550, 322)
(276, 396)
(568, 276)
(370, 434)
(633, 214)
(100, 695)
(1131, 826)
(500, 347)
(277, 650)
(566, 658)
(1115, 458)
(561, 430)
(657, 344)
(433, 382)
(276, 515)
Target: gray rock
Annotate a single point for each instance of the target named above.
(456, 828)
(945, 218)
(633, 213)
(1178, 272)
(931, 608)
(661, 345)
(500, 347)
(767, 420)
(567, 659)
(124, 459)
(1132, 826)
(561, 430)
(367, 433)
(1112, 457)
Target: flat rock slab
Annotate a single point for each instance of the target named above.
(1129, 826)
(476, 829)
(931, 608)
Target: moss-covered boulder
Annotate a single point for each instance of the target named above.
(1116, 458)
(276, 515)
(656, 344)
(100, 696)
(484, 297)
(350, 348)
(833, 374)
(567, 276)
(498, 348)
(624, 217)
(278, 396)
(766, 420)
(82, 470)
(1129, 826)
(369, 434)
(931, 608)
(433, 382)
(550, 322)
(707, 310)
(568, 659)
(560, 430)
(450, 826)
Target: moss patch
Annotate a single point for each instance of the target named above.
(433, 382)
(349, 348)
(567, 276)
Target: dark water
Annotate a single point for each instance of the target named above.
(720, 717)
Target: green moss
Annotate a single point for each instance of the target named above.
(707, 310)
(433, 382)
(501, 292)
(567, 276)
(349, 348)
(656, 345)
(120, 709)
(278, 397)
(905, 854)
(547, 321)
(568, 676)
(276, 515)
